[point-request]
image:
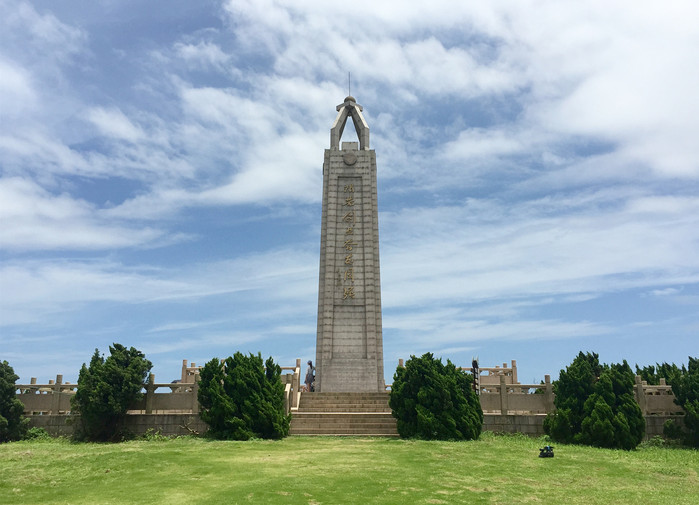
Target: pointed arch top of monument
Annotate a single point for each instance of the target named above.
(349, 108)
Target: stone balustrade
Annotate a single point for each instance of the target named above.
(178, 397)
(173, 407)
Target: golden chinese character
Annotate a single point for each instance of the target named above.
(348, 259)
(349, 274)
(349, 188)
(349, 244)
(349, 217)
(349, 201)
(348, 293)
(349, 231)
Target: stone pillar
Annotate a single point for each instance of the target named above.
(195, 392)
(183, 379)
(640, 394)
(56, 398)
(548, 392)
(503, 395)
(296, 384)
(349, 343)
(150, 391)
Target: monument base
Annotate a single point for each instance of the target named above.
(355, 375)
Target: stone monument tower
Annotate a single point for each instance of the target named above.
(349, 345)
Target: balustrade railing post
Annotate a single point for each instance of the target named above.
(548, 394)
(296, 384)
(56, 399)
(195, 393)
(503, 395)
(150, 390)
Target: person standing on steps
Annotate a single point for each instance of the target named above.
(310, 376)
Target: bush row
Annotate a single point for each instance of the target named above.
(242, 397)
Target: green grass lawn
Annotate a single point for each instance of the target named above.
(309, 470)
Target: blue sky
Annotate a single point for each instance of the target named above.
(160, 177)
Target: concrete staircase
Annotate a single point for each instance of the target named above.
(344, 414)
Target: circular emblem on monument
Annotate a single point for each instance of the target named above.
(349, 158)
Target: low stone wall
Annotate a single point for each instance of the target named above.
(138, 424)
(533, 424)
(654, 424)
(58, 425)
(188, 424)
(527, 424)
(166, 424)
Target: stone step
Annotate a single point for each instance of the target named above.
(345, 408)
(343, 433)
(312, 397)
(374, 394)
(346, 398)
(354, 401)
(325, 403)
(343, 414)
(342, 428)
(334, 397)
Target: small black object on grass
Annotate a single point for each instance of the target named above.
(546, 452)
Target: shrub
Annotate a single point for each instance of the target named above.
(13, 425)
(242, 398)
(613, 419)
(36, 433)
(595, 405)
(431, 400)
(686, 389)
(106, 390)
(153, 435)
(574, 386)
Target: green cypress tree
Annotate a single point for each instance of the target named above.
(572, 389)
(106, 390)
(431, 400)
(612, 418)
(242, 398)
(597, 427)
(13, 425)
(686, 390)
(595, 405)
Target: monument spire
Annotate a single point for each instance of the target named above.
(349, 343)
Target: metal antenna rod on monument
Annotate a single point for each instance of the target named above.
(349, 84)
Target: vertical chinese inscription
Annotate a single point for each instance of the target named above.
(349, 240)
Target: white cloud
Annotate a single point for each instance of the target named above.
(202, 54)
(39, 34)
(46, 287)
(456, 330)
(489, 250)
(665, 292)
(16, 93)
(113, 123)
(486, 143)
(32, 219)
